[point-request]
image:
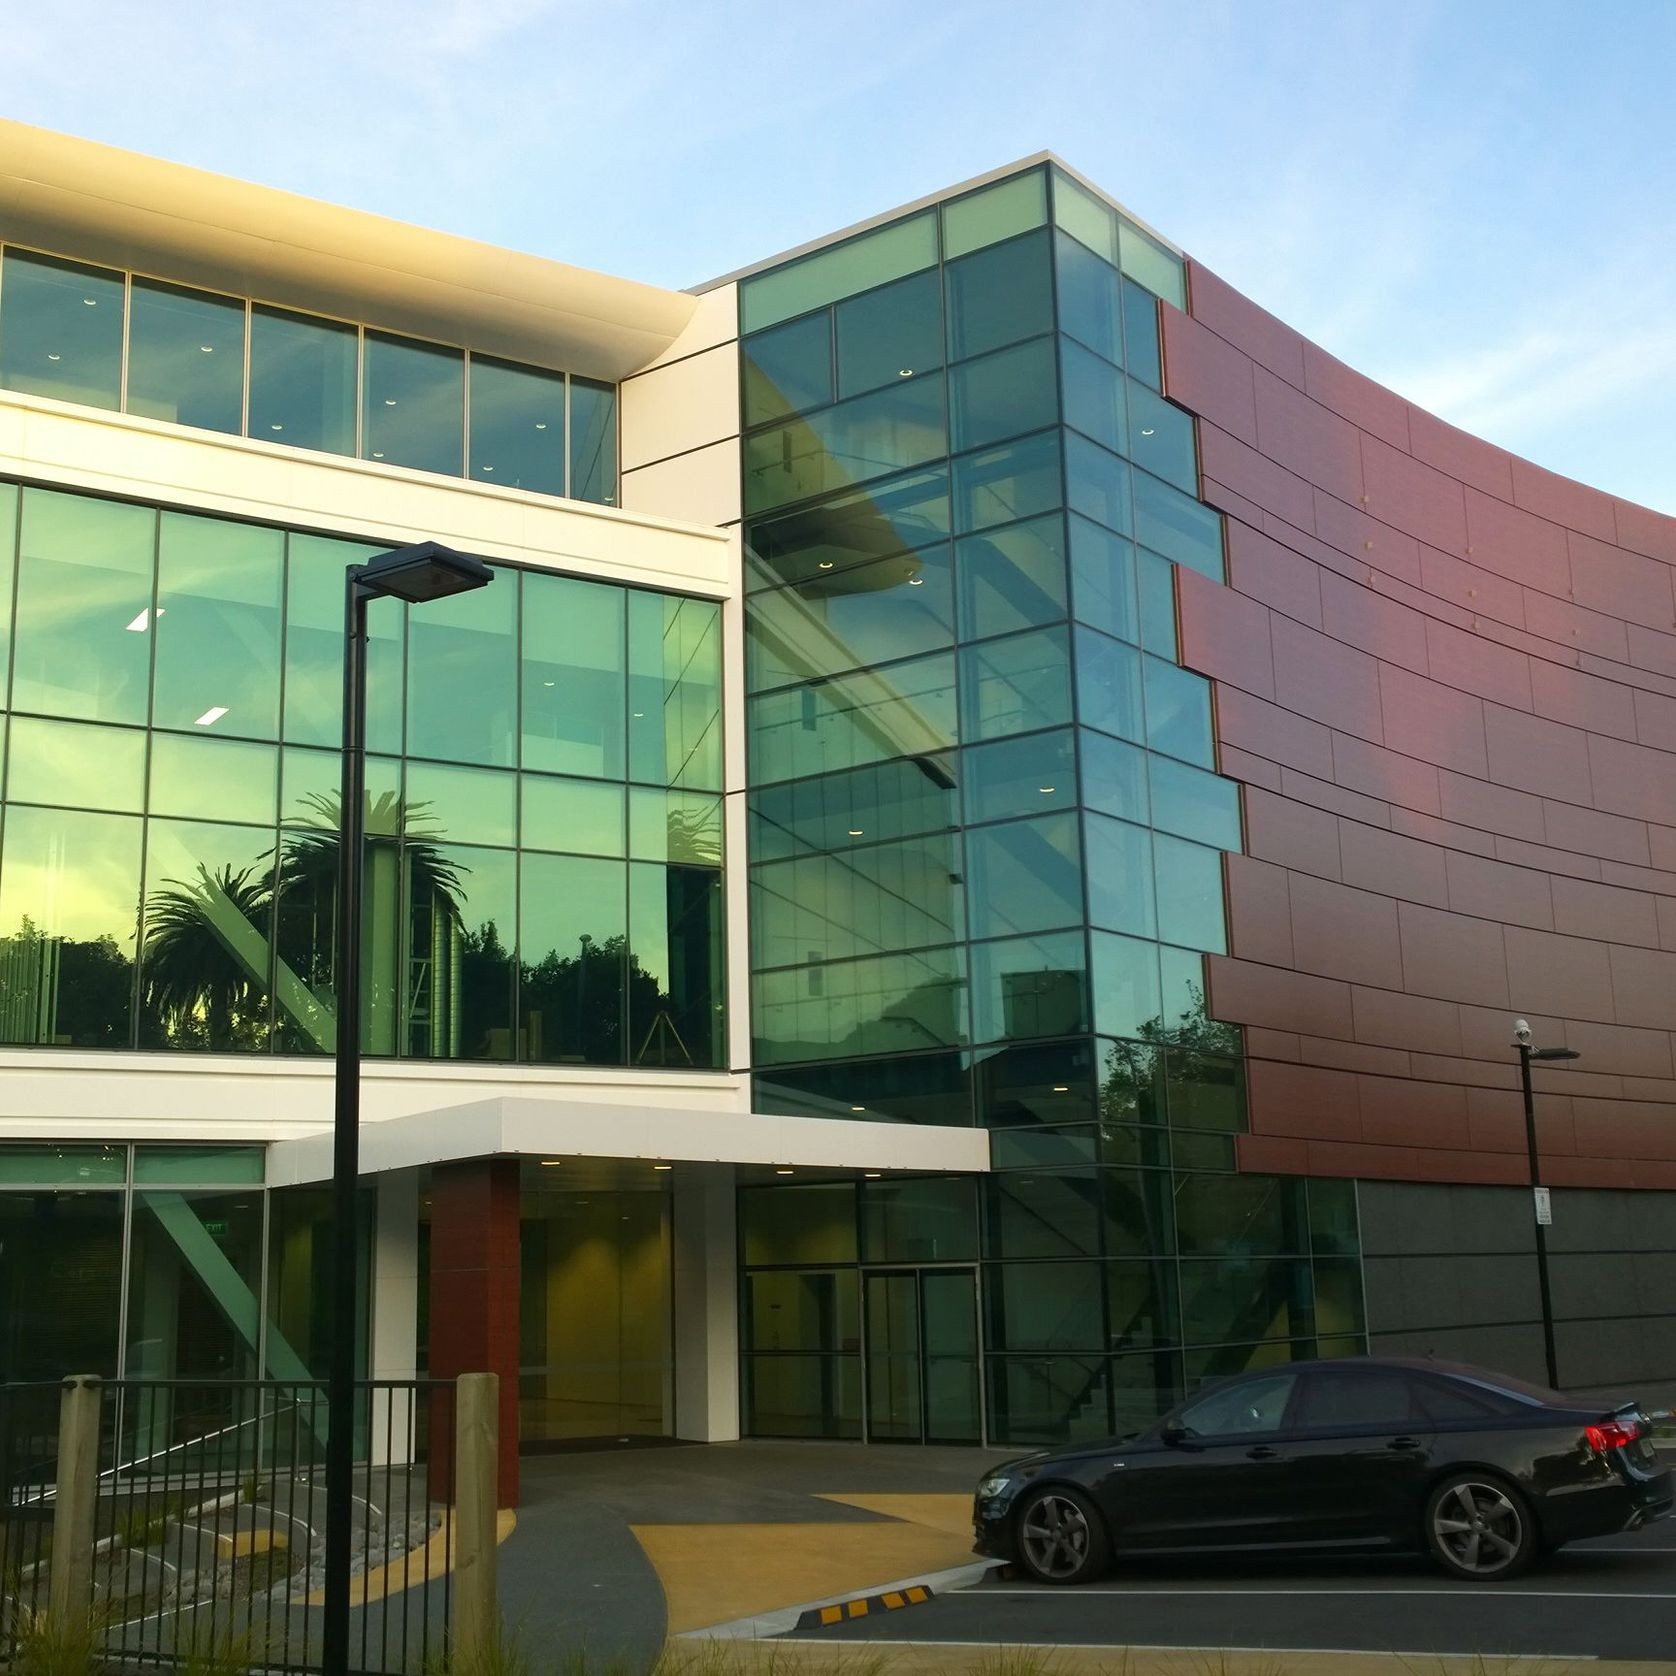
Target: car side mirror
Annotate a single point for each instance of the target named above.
(1173, 1435)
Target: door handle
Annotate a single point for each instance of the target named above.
(1407, 1445)
(1261, 1452)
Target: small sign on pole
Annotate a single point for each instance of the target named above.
(1544, 1207)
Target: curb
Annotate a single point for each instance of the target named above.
(784, 1620)
(892, 1600)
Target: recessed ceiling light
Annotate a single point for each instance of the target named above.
(663, 1166)
(376, 455)
(548, 683)
(1062, 1088)
(488, 468)
(858, 1108)
(211, 716)
(92, 302)
(873, 1175)
(904, 372)
(52, 357)
(784, 1172)
(553, 1164)
(541, 424)
(916, 581)
(206, 348)
(825, 564)
(1046, 790)
(389, 401)
(276, 427)
(1145, 431)
(856, 831)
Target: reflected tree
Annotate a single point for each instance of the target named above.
(64, 991)
(204, 978)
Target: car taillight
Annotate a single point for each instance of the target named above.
(1613, 1434)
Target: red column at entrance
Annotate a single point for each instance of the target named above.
(474, 1293)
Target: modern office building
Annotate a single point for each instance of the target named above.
(972, 870)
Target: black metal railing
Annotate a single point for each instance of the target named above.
(209, 1520)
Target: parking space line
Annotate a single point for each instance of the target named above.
(1184, 1647)
(1456, 1592)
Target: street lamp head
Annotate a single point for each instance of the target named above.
(1555, 1053)
(1522, 1032)
(425, 571)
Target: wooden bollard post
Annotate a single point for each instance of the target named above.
(476, 1623)
(70, 1574)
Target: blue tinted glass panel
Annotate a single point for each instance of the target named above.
(1126, 996)
(858, 264)
(1114, 778)
(999, 485)
(1018, 777)
(1189, 894)
(517, 426)
(1183, 995)
(1179, 527)
(1025, 876)
(1094, 397)
(1158, 604)
(1089, 305)
(788, 369)
(894, 799)
(574, 676)
(462, 701)
(1178, 712)
(1140, 334)
(1003, 395)
(593, 442)
(1096, 483)
(1103, 579)
(413, 404)
(1012, 577)
(186, 356)
(60, 329)
(1029, 986)
(1016, 685)
(893, 333)
(999, 295)
(1194, 803)
(302, 380)
(1120, 876)
(1161, 438)
(674, 690)
(887, 1005)
(1109, 685)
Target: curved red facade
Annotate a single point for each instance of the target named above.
(1446, 679)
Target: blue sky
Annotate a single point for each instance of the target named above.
(1473, 201)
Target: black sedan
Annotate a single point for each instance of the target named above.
(1483, 1472)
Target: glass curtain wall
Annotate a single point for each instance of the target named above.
(985, 829)
(543, 808)
(220, 363)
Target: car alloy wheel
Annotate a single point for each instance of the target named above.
(1479, 1528)
(1055, 1538)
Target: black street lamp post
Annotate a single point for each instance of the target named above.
(415, 574)
(1528, 1052)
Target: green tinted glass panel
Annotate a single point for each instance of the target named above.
(1195, 804)
(927, 1221)
(1019, 777)
(463, 695)
(912, 1088)
(1189, 894)
(84, 608)
(999, 295)
(213, 779)
(905, 709)
(1029, 986)
(1333, 1221)
(904, 247)
(1085, 217)
(461, 915)
(517, 426)
(674, 691)
(1103, 579)
(75, 765)
(1043, 1149)
(198, 1166)
(676, 986)
(302, 380)
(310, 786)
(593, 442)
(678, 826)
(803, 1396)
(205, 962)
(186, 356)
(1109, 685)
(1193, 1150)
(1157, 583)
(859, 528)
(315, 570)
(798, 1223)
(895, 799)
(892, 333)
(869, 614)
(1338, 1298)
(995, 213)
(788, 1311)
(1140, 335)
(8, 559)
(1161, 438)
(1120, 894)
(447, 804)
(69, 911)
(1097, 483)
(1114, 777)
(1126, 996)
(1181, 983)
(1144, 259)
(1206, 1091)
(584, 816)
(883, 1005)
(868, 436)
(1135, 1146)
(1178, 712)
(413, 402)
(1002, 395)
(219, 588)
(1025, 876)
(1015, 685)
(63, 1166)
(61, 1260)
(1094, 397)
(1000, 485)
(1254, 1298)
(1012, 577)
(1241, 1215)
(1036, 1083)
(60, 329)
(574, 676)
(1131, 1082)
(788, 370)
(572, 953)
(1045, 1214)
(1140, 1305)
(1090, 301)
(1179, 527)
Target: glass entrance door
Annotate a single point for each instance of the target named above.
(922, 1356)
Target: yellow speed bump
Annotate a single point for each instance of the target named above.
(823, 1617)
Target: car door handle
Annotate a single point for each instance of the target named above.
(1261, 1452)
(1408, 1445)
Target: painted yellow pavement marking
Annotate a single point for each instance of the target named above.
(939, 1513)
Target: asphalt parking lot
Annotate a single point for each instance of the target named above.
(1610, 1599)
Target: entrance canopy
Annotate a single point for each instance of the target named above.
(549, 1127)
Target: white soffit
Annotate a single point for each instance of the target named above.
(545, 1128)
(96, 203)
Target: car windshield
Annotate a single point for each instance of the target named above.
(1249, 1405)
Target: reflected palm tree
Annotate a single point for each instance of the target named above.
(198, 982)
